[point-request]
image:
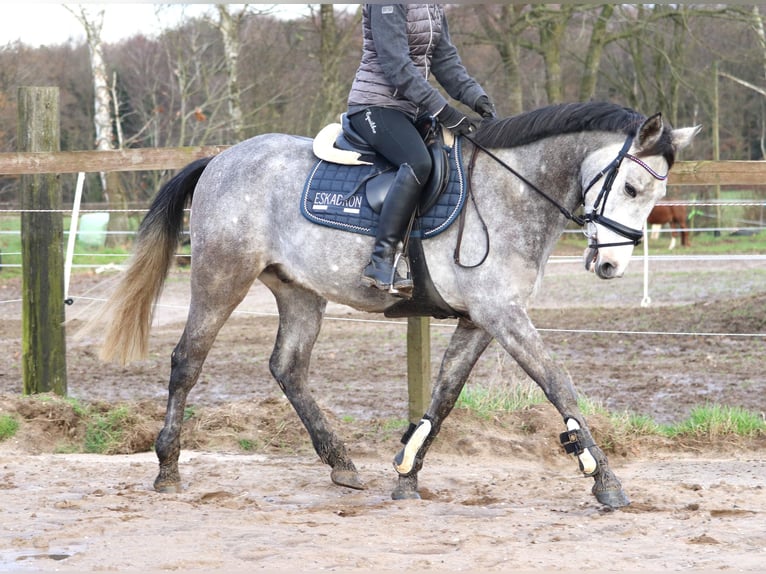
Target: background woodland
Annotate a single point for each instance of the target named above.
(234, 73)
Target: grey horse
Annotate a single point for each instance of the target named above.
(531, 174)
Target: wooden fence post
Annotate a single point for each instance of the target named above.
(42, 232)
(418, 366)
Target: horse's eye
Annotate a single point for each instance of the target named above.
(630, 190)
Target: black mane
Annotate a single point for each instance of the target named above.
(558, 119)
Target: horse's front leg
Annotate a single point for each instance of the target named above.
(515, 332)
(465, 347)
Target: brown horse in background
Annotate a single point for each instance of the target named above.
(675, 216)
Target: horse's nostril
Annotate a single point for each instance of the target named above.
(606, 270)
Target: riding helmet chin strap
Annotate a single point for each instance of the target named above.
(597, 217)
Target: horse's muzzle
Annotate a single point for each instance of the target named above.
(604, 268)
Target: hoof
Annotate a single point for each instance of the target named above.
(405, 494)
(168, 487)
(612, 498)
(347, 478)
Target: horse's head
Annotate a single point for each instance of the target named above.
(621, 184)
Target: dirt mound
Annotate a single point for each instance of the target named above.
(51, 424)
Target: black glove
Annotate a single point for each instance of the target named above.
(485, 108)
(455, 121)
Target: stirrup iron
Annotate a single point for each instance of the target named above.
(392, 289)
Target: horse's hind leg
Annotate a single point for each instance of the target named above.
(186, 364)
(465, 347)
(685, 242)
(300, 318)
(206, 317)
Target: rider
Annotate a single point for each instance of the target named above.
(403, 44)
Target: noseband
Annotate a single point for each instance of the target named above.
(597, 217)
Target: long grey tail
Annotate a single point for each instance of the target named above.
(131, 306)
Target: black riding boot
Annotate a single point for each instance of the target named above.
(398, 207)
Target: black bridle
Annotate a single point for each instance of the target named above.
(595, 215)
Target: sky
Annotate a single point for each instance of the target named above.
(46, 23)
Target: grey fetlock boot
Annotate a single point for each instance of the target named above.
(398, 208)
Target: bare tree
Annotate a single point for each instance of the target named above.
(92, 21)
(504, 27)
(599, 38)
(229, 24)
(334, 40)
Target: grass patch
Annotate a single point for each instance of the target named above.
(498, 397)
(715, 421)
(85, 256)
(189, 413)
(78, 408)
(705, 421)
(248, 445)
(702, 243)
(8, 427)
(394, 425)
(638, 425)
(118, 430)
(104, 432)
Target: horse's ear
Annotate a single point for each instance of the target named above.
(682, 137)
(650, 132)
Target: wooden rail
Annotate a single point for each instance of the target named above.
(138, 159)
(718, 173)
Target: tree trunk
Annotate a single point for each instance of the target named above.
(552, 26)
(331, 98)
(759, 30)
(503, 32)
(598, 39)
(113, 192)
(229, 28)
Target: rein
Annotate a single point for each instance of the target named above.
(568, 214)
(461, 220)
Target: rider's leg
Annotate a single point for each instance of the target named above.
(395, 216)
(395, 137)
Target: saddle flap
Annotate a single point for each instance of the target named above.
(376, 189)
(437, 181)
